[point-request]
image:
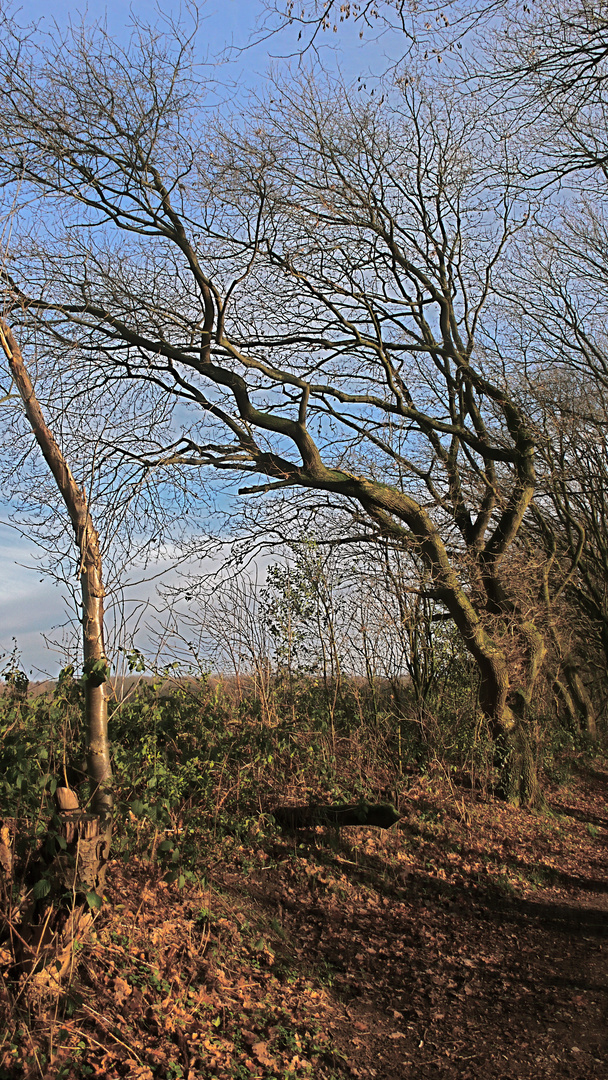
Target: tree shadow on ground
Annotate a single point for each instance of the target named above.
(452, 980)
(585, 816)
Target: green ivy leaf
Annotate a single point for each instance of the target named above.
(41, 889)
(96, 672)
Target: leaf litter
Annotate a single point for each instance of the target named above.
(468, 942)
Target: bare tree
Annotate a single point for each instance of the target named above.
(92, 591)
(556, 53)
(563, 321)
(548, 66)
(311, 283)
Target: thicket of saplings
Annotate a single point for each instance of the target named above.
(213, 755)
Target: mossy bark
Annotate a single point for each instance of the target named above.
(583, 706)
(518, 767)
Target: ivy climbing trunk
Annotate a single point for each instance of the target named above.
(505, 706)
(95, 669)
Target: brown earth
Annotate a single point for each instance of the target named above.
(468, 942)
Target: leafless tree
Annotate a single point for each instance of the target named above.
(310, 285)
(556, 52)
(564, 279)
(547, 67)
(91, 582)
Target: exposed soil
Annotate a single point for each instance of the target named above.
(470, 941)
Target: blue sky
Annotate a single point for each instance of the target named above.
(223, 23)
(31, 607)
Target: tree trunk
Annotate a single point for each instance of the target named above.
(507, 724)
(95, 671)
(507, 710)
(584, 706)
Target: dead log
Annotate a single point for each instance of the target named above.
(378, 815)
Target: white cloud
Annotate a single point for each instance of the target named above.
(29, 606)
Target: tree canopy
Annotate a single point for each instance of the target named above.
(331, 290)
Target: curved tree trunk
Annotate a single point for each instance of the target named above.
(504, 706)
(95, 670)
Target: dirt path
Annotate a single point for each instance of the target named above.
(454, 990)
(449, 972)
(468, 943)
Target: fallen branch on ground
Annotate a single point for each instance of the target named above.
(379, 815)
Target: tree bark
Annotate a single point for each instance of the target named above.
(583, 711)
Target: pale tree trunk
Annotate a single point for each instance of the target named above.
(91, 583)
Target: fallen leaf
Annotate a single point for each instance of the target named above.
(122, 990)
(260, 1053)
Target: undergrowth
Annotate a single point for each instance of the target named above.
(199, 766)
(217, 754)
